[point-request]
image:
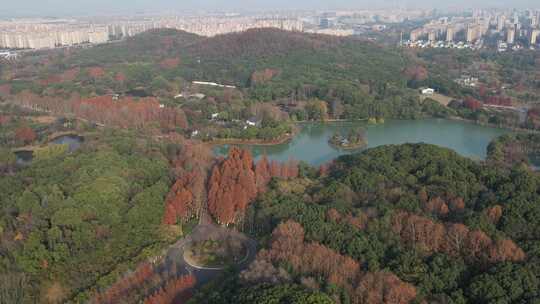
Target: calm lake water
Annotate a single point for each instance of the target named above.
(311, 144)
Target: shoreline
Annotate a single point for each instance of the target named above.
(251, 142)
(298, 124)
(289, 137)
(256, 142)
(513, 129)
(348, 148)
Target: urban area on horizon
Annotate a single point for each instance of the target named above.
(509, 29)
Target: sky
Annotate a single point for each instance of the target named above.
(98, 7)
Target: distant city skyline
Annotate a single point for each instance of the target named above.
(108, 7)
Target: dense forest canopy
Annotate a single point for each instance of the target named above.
(87, 212)
(454, 229)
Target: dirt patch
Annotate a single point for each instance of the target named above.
(442, 99)
(43, 119)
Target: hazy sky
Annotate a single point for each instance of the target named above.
(93, 7)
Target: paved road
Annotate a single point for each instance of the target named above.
(175, 255)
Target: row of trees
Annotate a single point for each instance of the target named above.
(191, 162)
(124, 112)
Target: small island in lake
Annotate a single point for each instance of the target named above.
(354, 140)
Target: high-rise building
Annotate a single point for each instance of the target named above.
(473, 32)
(510, 35)
(450, 34)
(534, 36)
(501, 21)
(325, 23)
(432, 36)
(416, 33)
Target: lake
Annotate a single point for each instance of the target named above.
(311, 143)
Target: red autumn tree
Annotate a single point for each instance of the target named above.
(457, 204)
(173, 290)
(70, 75)
(4, 119)
(453, 239)
(125, 285)
(494, 213)
(232, 186)
(324, 169)
(185, 199)
(25, 134)
(275, 169)
(383, 287)
(472, 103)
(120, 77)
(505, 250)
(236, 181)
(169, 63)
(436, 206)
(418, 73)
(260, 77)
(5, 90)
(170, 215)
(262, 174)
(127, 112)
(96, 72)
(313, 259)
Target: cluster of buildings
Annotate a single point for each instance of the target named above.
(508, 27)
(357, 22)
(38, 34)
(6, 55)
(51, 33)
(205, 26)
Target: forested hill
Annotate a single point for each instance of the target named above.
(256, 43)
(234, 57)
(356, 79)
(145, 47)
(295, 58)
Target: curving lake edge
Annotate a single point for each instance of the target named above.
(311, 143)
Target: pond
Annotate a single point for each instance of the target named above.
(534, 160)
(73, 142)
(23, 158)
(311, 143)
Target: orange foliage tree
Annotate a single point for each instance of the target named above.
(232, 186)
(313, 259)
(236, 181)
(124, 286)
(125, 112)
(185, 198)
(453, 239)
(176, 290)
(25, 134)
